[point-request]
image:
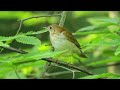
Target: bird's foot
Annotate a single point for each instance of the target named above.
(56, 61)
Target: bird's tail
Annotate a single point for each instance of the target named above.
(81, 54)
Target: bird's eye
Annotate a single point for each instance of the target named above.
(50, 27)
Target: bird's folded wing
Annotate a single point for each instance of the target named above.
(71, 38)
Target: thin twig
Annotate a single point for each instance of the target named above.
(73, 72)
(63, 18)
(73, 75)
(20, 26)
(45, 69)
(14, 50)
(54, 15)
(67, 65)
(57, 73)
(17, 73)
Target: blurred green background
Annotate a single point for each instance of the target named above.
(75, 20)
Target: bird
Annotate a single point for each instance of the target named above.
(62, 39)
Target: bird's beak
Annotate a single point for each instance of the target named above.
(45, 27)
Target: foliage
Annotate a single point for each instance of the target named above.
(104, 75)
(99, 37)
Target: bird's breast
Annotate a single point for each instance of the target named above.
(60, 42)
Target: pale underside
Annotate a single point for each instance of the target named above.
(60, 43)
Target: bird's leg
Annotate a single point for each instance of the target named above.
(52, 49)
(79, 61)
(61, 56)
(71, 58)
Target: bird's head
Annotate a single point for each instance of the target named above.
(54, 28)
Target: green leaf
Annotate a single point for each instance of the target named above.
(28, 40)
(104, 62)
(107, 40)
(110, 20)
(117, 51)
(5, 68)
(2, 38)
(104, 75)
(38, 32)
(33, 56)
(34, 63)
(3, 44)
(114, 21)
(95, 27)
(100, 31)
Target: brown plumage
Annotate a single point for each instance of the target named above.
(60, 32)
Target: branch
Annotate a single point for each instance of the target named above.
(20, 26)
(45, 69)
(57, 73)
(62, 21)
(49, 60)
(14, 50)
(73, 71)
(58, 62)
(24, 52)
(66, 65)
(54, 15)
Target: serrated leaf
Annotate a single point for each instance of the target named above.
(3, 38)
(28, 40)
(3, 44)
(117, 51)
(104, 75)
(38, 32)
(35, 56)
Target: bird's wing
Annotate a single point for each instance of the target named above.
(71, 38)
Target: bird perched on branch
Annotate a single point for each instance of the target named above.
(62, 39)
